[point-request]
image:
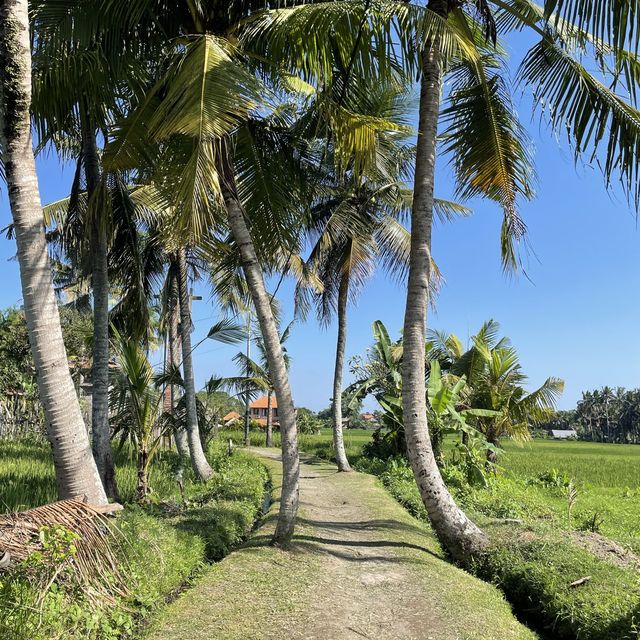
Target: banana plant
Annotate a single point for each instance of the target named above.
(445, 395)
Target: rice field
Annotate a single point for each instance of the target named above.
(591, 464)
(27, 479)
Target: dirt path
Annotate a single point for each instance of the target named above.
(360, 567)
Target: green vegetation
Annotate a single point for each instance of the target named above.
(536, 561)
(537, 567)
(159, 547)
(224, 141)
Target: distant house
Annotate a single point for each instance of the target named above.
(258, 410)
(232, 416)
(564, 434)
(370, 418)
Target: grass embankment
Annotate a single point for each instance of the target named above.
(536, 561)
(359, 565)
(162, 546)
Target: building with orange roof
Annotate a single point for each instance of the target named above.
(259, 410)
(232, 416)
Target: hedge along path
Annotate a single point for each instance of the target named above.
(359, 567)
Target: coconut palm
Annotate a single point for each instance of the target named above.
(258, 376)
(483, 137)
(191, 117)
(76, 471)
(78, 80)
(357, 220)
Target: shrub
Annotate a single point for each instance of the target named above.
(551, 479)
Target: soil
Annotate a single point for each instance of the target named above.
(606, 549)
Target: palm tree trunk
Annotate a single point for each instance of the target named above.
(101, 434)
(198, 458)
(341, 345)
(142, 489)
(269, 419)
(175, 354)
(458, 535)
(273, 348)
(76, 471)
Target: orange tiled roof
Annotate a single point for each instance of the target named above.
(262, 403)
(232, 415)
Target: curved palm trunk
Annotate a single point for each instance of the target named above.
(76, 471)
(275, 359)
(269, 419)
(175, 352)
(198, 459)
(341, 345)
(459, 536)
(101, 434)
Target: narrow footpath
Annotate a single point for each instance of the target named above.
(359, 567)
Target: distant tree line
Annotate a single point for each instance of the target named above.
(603, 415)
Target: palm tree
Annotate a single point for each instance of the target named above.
(483, 137)
(78, 80)
(258, 376)
(356, 222)
(172, 326)
(137, 407)
(203, 97)
(198, 458)
(76, 471)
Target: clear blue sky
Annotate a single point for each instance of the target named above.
(576, 317)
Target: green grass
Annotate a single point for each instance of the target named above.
(607, 477)
(591, 464)
(536, 566)
(262, 592)
(160, 549)
(27, 478)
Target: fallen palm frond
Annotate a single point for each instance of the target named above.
(84, 552)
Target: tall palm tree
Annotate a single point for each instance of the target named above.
(355, 220)
(484, 138)
(77, 78)
(174, 347)
(202, 98)
(198, 458)
(76, 471)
